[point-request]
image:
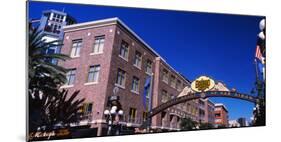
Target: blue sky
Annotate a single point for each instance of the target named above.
(217, 45)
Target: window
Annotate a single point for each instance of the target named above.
(173, 81)
(98, 45)
(178, 85)
(76, 47)
(132, 114)
(202, 103)
(201, 113)
(70, 76)
(148, 67)
(137, 60)
(55, 28)
(57, 18)
(135, 84)
(124, 49)
(51, 50)
(86, 110)
(144, 115)
(165, 77)
(164, 96)
(217, 115)
(218, 120)
(93, 74)
(121, 78)
(87, 107)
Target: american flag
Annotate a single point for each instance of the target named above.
(259, 54)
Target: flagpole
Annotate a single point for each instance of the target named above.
(150, 92)
(150, 99)
(256, 69)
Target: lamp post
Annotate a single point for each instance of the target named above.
(111, 114)
(115, 109)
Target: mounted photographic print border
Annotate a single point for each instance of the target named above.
(107, 71)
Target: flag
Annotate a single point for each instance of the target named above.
(260, 64)
(259, 54)
(260, 59)
(260, 70)
(147, 85)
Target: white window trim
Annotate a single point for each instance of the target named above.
(75, 56)
(165, 81)
(91, 83)
(148, 73)
(67, 86)
(171, 84)
(96, 53)
(126, 59)
(138, 67)
(120, 86)
(136, 92)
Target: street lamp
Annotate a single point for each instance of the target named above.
(112, 113)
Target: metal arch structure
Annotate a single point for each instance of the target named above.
(197, 95)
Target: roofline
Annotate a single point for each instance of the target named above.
(211, 102)
(222, 105)
(179, 74)
(117, 20)
(52, 10)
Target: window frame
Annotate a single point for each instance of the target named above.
(173, 81)
(137, 85)
(73, 75)
(76, 41)
(134, 114)
(96, 69)
(126, 58)
(165, 73)
(124, 78)
(164, 96)
(146, 66)
(137, 59)
(100, 50)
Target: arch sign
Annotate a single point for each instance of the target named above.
(202, 84)
(202, 87)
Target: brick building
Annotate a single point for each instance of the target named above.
(168, 83)
(206, 111)
(106, 54)
(221, 115)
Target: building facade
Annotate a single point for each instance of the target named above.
(50, 25)
(168, 83)
(221, 115)
(206, 111)
(106, 54)
(242, 121)
(233, 123)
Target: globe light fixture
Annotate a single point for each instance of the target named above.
(112, 111)
(261, 35)
(106, 112)
(120, 112)
(262, 24)
(114, 108)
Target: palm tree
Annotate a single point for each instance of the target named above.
(187, 124)
(206, 126)
(42, 74)
(48, 105)
(48, 111)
